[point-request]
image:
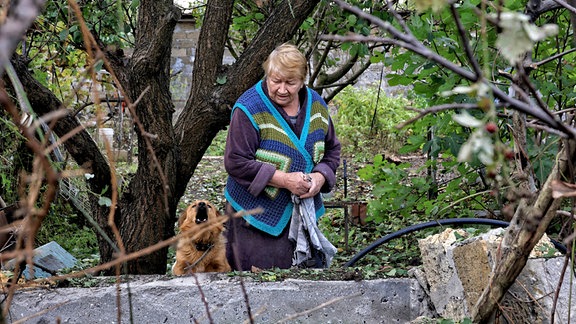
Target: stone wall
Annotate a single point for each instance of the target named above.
(455, 273)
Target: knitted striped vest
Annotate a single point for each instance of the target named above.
(280, 147)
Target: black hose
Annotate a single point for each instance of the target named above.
(440, 222)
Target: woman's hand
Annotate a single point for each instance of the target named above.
(297, 183)
(301, 184)
(316, 180)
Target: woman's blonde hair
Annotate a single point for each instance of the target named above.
(287, 61)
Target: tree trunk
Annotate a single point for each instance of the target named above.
(149, 204)
(525, 230)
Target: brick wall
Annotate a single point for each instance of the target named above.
(184, 45)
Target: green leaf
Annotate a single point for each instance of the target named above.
(98, 66)
(395, 79)
(352, 19)
(63, 35)
(134, 4)
(221, 80)
(307, 24)
(392, 273)
(104, 201)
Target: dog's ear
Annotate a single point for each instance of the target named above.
(183, 216)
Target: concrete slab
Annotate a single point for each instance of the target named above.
(48, 260)
(181, 300)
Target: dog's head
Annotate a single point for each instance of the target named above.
(197, 213)
(202, 209)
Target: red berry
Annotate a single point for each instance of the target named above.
(491, 127)
(491, 174)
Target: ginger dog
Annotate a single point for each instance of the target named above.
(204, 249)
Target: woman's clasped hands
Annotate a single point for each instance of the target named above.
(304, 185)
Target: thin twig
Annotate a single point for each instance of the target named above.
(433, 110)
(203, 298)
(553, 58)
(465, 42)
(566, 5)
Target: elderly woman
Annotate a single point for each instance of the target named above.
(281, 144)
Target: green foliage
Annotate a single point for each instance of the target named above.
(366, 123)
(402, 198)
(543, 155)
(435, 135)
(84, 282)
(218, 145)
(438, 30)
(56, 51)
(246, 21)
(10, 141)
(406, 192)
(395, 194)
(71, 231)
(111, 20)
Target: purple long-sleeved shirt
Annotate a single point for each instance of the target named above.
(243, 141)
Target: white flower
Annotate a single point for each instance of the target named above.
(467, 120)
(519, 35)
(480, 144)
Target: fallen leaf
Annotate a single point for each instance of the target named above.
(561, 189)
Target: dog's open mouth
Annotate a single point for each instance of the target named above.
(201, 212)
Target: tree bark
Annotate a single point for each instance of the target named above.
(527, 227)
(148, 206)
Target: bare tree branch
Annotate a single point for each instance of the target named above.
(553, 57)
(20, 16)
(566, 5)
(433, 110)
(465, 43)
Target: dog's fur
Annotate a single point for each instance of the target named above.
(204, 249)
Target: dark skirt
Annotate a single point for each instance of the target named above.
(248, 246)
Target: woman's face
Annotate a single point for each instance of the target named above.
(282, 90)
